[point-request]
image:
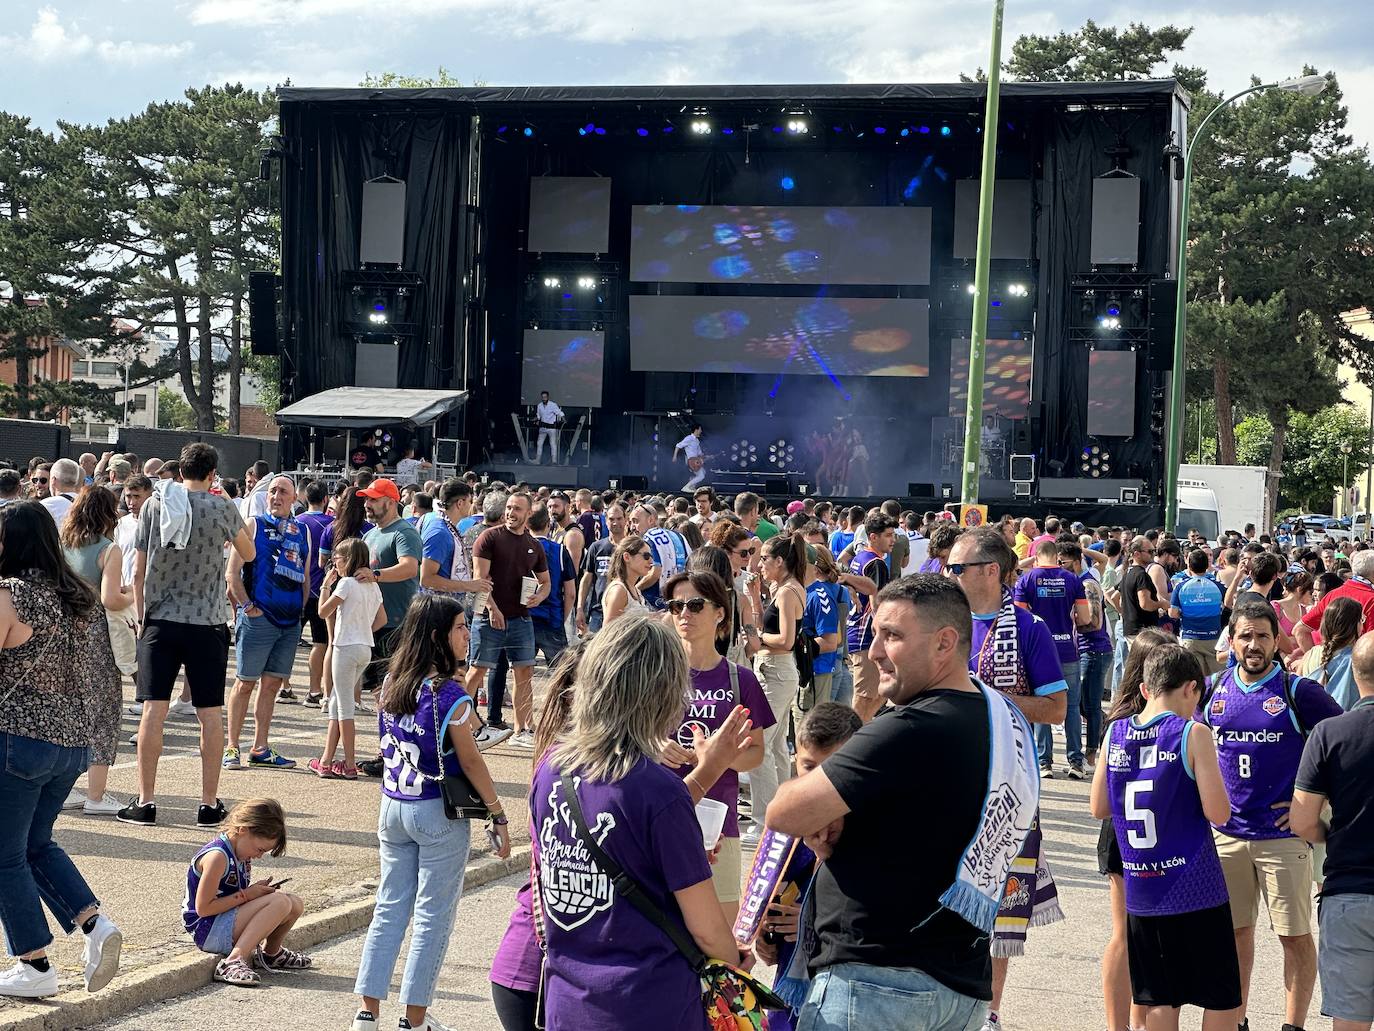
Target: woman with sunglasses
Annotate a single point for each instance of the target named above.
(698, 604)
(630, 563)
(742, 547)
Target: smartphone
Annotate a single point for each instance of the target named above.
(278, 884)
(493, 839)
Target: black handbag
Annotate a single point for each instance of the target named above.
(461, 801)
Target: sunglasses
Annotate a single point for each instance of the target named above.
(745, 552)
(958, 568)
(692, 605)
(39, 479)
(646, 554)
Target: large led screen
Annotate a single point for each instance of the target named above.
(1006, 377)
(570, 214)
(566, 363)
(696, 243)
(1111, 394)
(808, 336)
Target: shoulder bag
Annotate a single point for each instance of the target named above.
(732, 998)
(461, 800)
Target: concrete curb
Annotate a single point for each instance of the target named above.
(159, 982)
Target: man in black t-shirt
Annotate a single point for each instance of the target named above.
(878, 916)
(365, 455)
(1140, 601)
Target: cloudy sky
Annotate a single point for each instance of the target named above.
(88, 60)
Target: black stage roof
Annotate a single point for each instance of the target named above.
(953, 93)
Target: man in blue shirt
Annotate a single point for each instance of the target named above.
(1197, 603)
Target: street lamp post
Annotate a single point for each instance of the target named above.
(1308, 85)
(1345, 477)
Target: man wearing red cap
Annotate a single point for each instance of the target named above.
(396, 549)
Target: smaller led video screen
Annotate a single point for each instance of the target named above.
(697, 243)
(804, 336)
(566, 363)
(1006, 377)
(1111, 393)
(570, 215)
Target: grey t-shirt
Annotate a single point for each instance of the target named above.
(187, 586)
(388, 546)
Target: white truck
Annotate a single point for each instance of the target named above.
(1239, 492)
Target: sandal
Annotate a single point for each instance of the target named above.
(236, 972)
(283, 960)
(325, 771)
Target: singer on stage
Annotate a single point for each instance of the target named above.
(550, 417)
(690, 447)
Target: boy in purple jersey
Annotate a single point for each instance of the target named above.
(1261, 715)
(1161, 785)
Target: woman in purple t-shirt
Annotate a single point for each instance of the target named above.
(700, 606)
(607, 965)
(422, 704)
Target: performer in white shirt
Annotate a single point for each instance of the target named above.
(548, 415)
(690, 447)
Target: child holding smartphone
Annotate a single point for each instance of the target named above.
(229, 916)
(1161, 785)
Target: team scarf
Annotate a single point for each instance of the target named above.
(998, 662)
(1030, 898)
(1010, 810)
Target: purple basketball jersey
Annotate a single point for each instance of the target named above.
(1167, 853)
(1259, 747)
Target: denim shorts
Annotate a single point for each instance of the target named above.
(487, 643)
(857, 997)
(218, 940)
(1345, 957)
(261, 647)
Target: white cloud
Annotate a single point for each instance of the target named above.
(49, 40)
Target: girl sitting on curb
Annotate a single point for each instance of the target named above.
(230, 917)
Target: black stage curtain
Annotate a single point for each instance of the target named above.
(333, 152)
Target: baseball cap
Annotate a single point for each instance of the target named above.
(793, 507)
(381, 489)
(120, 467)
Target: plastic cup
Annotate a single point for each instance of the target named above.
(479, 603)
(711, 815)
(528, 585)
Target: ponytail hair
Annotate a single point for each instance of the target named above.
(1341, 623)
(791, 549)
(1131, 702)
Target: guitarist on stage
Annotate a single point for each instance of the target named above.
(690, 447)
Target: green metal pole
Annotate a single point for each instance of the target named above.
(973, 415)
(1173, 440)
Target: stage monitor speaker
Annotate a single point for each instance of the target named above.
(1021, 435)
(946, 491)
(774, 485)
(1116, 221)
(1012, 216)
(375, 365)
(1022, 468)
(384, 222)
(262, 312)
(634, 483)
(1021, 490)
(446, 451)
(920, 491)
(1159, 355)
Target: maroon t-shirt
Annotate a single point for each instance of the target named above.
(512, 556)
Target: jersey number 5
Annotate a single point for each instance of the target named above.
(1146, 837)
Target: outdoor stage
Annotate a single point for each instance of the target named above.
(781, 263)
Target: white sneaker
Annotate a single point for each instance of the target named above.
(107, 806)
(524, 739)
(134, 710)
(101, 954)
(180, 708)
(75, 800)
(364, 1021)
(22, 981)
(488, 736)
(428, 1024)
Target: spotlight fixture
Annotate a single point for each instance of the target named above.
(945, 130)
(701, 127)
(377, 311)
(1109, 322)
(552, 282)
(586, 283)
(1094, 461)
(1113, 306)
(797, 126)
(1018, 290)
(972, 289)
(529, 130)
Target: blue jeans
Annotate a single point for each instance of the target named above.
(1093, 670)
(1073, 724)
(859, 997)
(842, 682)
(35, 777)
(424, 857)
(1118, 662)
(551, 640)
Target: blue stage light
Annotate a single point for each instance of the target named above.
(838, 128)
(581, 131)
(880, 129)
(529, 131)
(600, 131)
(777, 128)
(591, 126)
(667, 129)
(500, 129)
(787, 182)
(924, 130)
(906, 132)
(945, 130)
(727, 132)
(642, 132)
(913, 184)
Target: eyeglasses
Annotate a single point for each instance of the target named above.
(692, 605)
(958, 568)
(745, 552)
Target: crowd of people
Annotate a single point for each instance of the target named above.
(803, 670)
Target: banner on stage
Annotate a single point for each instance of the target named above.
(973, 515)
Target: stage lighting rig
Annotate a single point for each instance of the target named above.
(798, 126)
(701, 127)
(1095, 461)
